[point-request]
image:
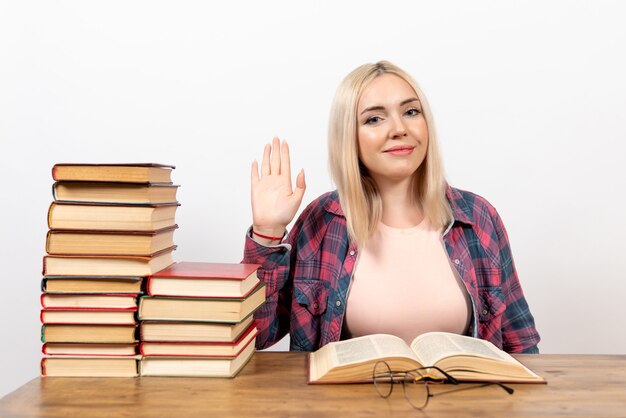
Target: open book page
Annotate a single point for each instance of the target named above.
(431, 347)
(361, 349)
(370, 347)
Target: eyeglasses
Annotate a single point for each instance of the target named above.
(416, 383)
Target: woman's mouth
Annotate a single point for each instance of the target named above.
(400, 150)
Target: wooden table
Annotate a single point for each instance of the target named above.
(274, 385)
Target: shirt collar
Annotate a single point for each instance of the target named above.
(332, 204)
(461, 211)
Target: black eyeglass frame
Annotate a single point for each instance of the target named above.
(415, 376)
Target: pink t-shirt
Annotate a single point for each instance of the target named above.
(403, 284)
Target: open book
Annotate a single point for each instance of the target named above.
(465, 358)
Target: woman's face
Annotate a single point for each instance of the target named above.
(392, 133)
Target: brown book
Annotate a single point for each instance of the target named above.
(78, 191)
(69, 265)
(61, 333)
(69, 284)
(465, 358)
(89, 316)
(130, 173)
(201, 279)
(199, 349)
(84, 242)
(201, 309)
(92, 216)
(93, 349)
(65, 366)
(196, 366)
(88, 300)
(193, 331)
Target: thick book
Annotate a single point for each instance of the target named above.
(199, 349)
(106, 217)
(465, 358)
(192, 331)
(70, 265)
(128, 173)
(196, 366)
(64, 333)
(84, 242)
(125, 316)
(93, 285)
(89, 349)
(88, 300)
(64, 366)
(201, 309)
(201, 279)
(128, 193)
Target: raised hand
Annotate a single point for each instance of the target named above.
(274, 201)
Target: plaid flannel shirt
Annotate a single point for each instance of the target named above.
(308, 276)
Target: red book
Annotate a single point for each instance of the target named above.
(202, 279)
(200, 349)
(96, 316)
(71, 301)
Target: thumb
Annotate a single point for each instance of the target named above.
(300, 185)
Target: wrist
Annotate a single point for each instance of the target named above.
(277, 232)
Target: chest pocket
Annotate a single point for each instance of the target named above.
(312, 295)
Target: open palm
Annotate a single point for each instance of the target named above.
(274, 201)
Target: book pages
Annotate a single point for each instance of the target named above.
(432, 347)
(370, 347)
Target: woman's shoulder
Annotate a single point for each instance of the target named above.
(469, 205)
(325, 203)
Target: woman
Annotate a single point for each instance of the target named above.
(394, 249)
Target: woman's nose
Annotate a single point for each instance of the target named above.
(398, 130)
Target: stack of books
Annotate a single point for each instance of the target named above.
(110, 227)
(196, 319)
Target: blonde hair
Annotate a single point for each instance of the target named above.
(358, 194)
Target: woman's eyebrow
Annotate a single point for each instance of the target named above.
(404, 102)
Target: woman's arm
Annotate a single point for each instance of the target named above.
(274, 205)
(519, 334)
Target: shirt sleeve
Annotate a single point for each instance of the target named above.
(276, 271)
(519, 334)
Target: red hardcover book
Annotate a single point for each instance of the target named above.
(200, 349)
(93, 316)
(88, 301)
(202, 279)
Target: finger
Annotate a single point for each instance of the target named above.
(254, 174)
(275, 160)
(285, 163)
(265, 165)
(300, 186)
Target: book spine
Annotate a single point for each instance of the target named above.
(43, 333)
(43, 366)
(149, 286)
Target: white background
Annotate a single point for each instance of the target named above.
(529, 99)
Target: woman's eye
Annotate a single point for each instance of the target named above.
(373, 120)
(413, 112)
